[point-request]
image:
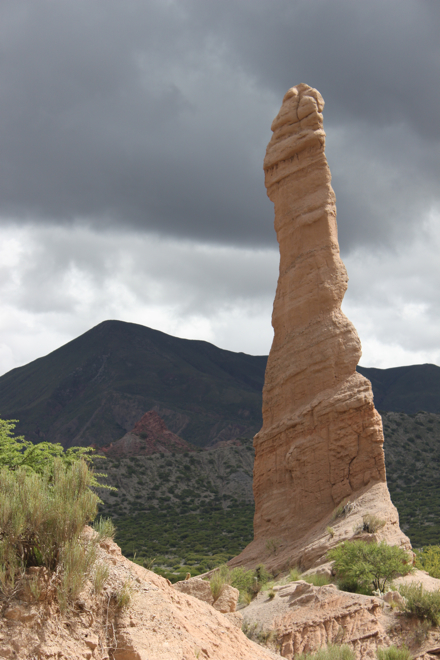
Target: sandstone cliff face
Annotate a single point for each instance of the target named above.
(321, 441)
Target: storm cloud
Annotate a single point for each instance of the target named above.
(132, 136)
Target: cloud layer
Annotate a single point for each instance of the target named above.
(131, 185)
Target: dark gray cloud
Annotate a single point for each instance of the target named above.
(154, 115)
(376, 61)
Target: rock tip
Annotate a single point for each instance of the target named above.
(298, 102)
(302, 89)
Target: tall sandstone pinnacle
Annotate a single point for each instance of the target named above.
(322, 440)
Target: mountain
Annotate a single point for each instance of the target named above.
(95, 388)
(405, 389)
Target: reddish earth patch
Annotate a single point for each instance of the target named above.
(149, 435)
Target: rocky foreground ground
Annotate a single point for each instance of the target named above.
(139, 615)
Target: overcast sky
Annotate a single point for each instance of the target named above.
(132, 138)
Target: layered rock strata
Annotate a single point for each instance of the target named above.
(321, 441)
(306, 618)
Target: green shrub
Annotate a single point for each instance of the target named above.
(242, 579)
(353, 586)
(148, 563)
(248, 582)
(76, 559)
(16, 452)
(369, 564)
(218, 579)
(124, 595)
(262, 574)
(370, 524)
(331, 652)
(428, 559)
(272, 546)
(342, 510)
(294, 574)
(42, 516)
(423, 604)
(421, 632)
(105, 528)
(393, 653)
(100, 577)
(317, 580)
(41, 513)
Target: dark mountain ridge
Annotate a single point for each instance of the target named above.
(96, 387)
(405, 389)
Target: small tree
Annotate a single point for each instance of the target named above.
(369, 564)
(17, 452)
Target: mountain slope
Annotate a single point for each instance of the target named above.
(405, 389)
(93, 389)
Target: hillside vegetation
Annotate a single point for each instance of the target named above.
(191, 511)
(412, 457)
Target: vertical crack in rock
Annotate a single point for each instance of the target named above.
(320, 426)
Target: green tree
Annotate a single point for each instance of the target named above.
(17, 452)
(369, 564)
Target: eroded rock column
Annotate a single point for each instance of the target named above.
(321, 441)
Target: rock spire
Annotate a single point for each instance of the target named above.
(321, 444)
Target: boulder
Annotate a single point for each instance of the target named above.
(201, 589)
(196, 587)
(227, 601)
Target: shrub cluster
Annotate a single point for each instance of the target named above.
(344, 652)
(363, 566)
(428, 559)
(248, 582)
(420, 603)
(46, 499)
(331, 652)
(317, 579)
(370, 524)
(41, 513)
